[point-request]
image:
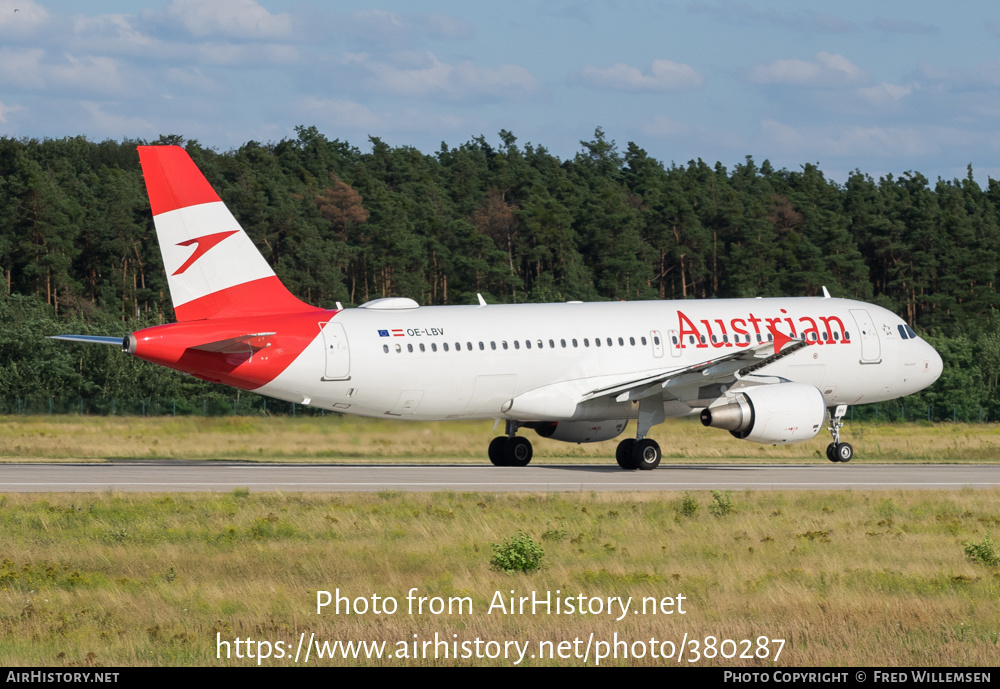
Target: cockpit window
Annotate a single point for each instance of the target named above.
(902, 332)
(909, 330)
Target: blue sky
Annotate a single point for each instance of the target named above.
(884, 87)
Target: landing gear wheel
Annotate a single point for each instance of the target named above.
(844, 452)
(646, 454)
(496, 451)
(517, 451)
(831, 452)
(624, 454)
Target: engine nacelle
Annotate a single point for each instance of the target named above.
(579, 431)
(771, 414)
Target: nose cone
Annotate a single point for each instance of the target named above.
(933, 365)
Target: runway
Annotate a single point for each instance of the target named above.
(199, 476)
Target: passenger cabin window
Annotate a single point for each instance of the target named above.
(385, 348)
(434, 347)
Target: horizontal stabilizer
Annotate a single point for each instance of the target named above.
(92, 339)
(238, 345)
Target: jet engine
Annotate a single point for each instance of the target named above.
(579, 431)
(771, 414)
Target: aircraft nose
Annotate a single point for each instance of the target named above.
(933, 365)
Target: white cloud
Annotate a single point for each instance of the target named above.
(234, 18)
(119, 34)
(30, 69)
(234, 54)
(826, 70)
(4, 109)
(114, 125)
(422, 74)
(29, 17)
(664, 75)
(884, 95)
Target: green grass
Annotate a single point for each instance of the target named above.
(847, 578)
(336, 438)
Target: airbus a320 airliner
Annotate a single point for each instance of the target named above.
(767, 370)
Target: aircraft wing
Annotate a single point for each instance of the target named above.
(707, 380)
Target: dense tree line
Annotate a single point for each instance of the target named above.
(513, 222)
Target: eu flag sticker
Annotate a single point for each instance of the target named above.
(383, 333)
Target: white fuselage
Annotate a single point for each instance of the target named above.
(537, 361)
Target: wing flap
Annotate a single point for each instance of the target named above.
(720, 371)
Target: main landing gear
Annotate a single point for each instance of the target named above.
(510, 450)
(635, 454)
(838, 451)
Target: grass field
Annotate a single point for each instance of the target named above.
(845, 578)
(332, 438)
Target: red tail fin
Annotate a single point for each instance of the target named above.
(213, 268)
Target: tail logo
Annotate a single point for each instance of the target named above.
(204, 244)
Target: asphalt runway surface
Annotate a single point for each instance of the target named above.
(179, 476)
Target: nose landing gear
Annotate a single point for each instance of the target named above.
(838, 451)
